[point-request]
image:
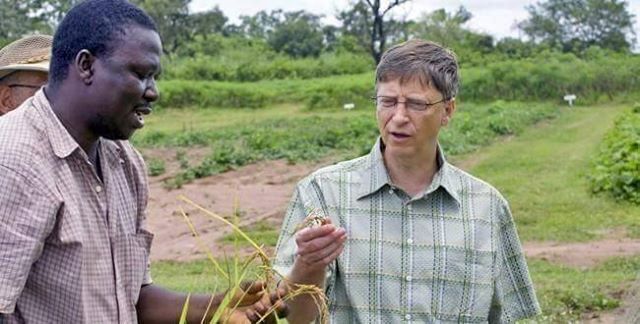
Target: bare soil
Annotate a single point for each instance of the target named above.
(258, 192)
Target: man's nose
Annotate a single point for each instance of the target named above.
(151, 93)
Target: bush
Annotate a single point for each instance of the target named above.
(616, 168)
(547, 77)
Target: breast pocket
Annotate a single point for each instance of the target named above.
(465, 285)
(132, 257)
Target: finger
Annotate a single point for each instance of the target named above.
(321, 243)
(321, 254)
(252, 316)
(252, 287)
(308, 234)
(330, 258)
(282, 309)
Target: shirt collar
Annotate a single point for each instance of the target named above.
(379, 176)
(61, 141)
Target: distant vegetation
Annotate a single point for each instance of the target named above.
(617, 167)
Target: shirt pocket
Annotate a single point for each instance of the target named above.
(132, 260)
(466, 285)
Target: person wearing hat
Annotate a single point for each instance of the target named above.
(24, 67)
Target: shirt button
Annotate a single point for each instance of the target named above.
(409, 241)
(407, 317)
(121, 161)
(409, 278)
(98, 189)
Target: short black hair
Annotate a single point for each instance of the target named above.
(94, 25)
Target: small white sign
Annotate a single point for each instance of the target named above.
(349, 106)
(570, 98)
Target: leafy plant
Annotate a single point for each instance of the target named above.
(616, 168)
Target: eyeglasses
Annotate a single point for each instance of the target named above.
(388, 103)
(36, 87)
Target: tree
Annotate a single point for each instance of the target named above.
(172, 19)
(443, 27)
(208, 22)
(367, 17)
(296, 33)
(299, 34)
(15, 19)
(574, 25)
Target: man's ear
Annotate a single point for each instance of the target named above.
(5, 99)
(84, 66)
(449, 109)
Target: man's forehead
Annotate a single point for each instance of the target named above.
(134, 38)
(414, 85)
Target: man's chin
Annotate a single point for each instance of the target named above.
(118, 136)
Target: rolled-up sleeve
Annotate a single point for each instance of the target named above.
(26, 219)
(514, 296)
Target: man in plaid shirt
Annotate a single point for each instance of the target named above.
(74, 247)
(415, 239)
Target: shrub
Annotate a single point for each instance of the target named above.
(616, 168)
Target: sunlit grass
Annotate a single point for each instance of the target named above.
(543, 175)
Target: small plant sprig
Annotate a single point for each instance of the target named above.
(266, 273)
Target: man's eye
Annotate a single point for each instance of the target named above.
(416, 105)
(387, 102)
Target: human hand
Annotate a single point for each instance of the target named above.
(255, 304)
(319, 246)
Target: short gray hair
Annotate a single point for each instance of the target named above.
(427, 62)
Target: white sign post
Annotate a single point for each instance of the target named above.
(570, 98)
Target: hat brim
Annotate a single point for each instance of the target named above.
(42, 66)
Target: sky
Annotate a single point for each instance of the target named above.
(495, 17)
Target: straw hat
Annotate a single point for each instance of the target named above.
(30, 53)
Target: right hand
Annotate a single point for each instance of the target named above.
(253, 302)
(319, 246)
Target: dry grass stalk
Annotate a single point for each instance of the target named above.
(266, 272)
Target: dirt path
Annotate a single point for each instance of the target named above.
(261, 190)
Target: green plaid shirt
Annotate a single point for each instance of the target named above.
(451, 254)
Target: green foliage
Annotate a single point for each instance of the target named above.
(218, 58)
(565, 293)
(574, 25)
(551, 76)
(262, 232)
(156, 167)
(298, 34)
(348, 134)
(617, 167)
(315, 93)
(548, 76)
(475, 125)
(542, 174)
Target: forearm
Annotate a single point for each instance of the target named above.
(303, 309)
(159, 305)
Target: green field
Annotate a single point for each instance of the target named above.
(541, 166)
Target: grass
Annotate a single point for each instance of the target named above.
(543, 174)
(261, 232)
(564, 293)
(198, 276)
